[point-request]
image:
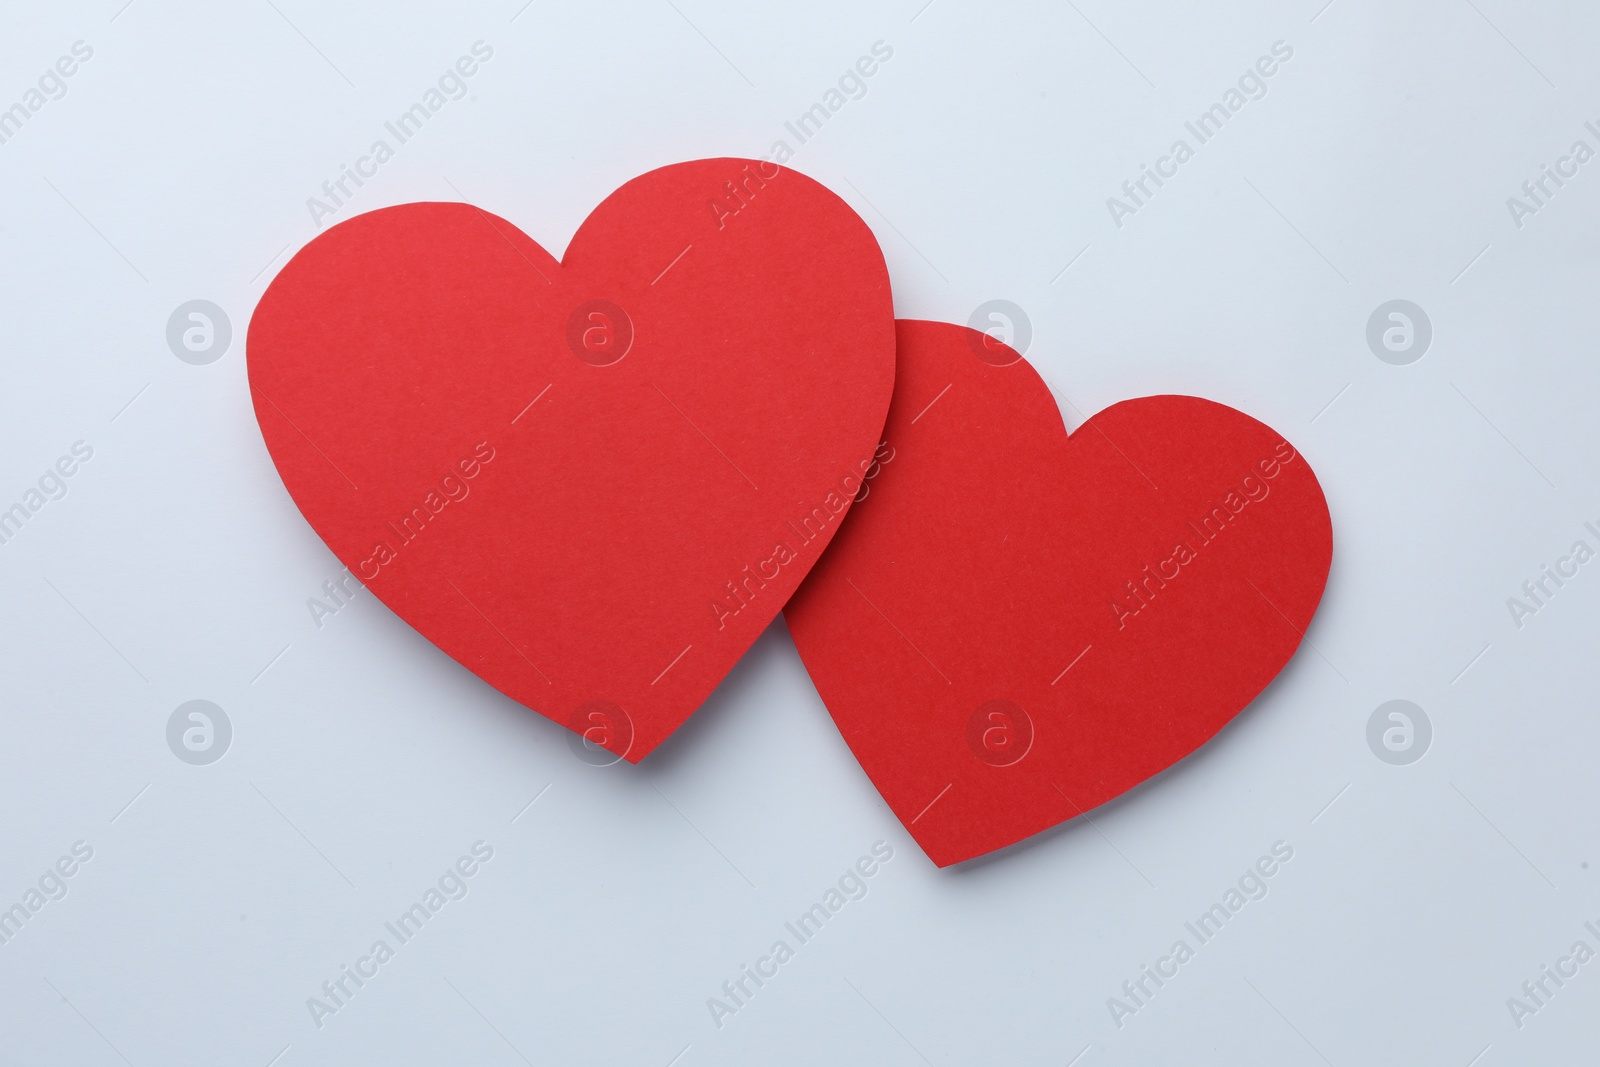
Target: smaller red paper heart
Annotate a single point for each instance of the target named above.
(1016, 626)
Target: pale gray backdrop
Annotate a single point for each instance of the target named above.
(359, 764)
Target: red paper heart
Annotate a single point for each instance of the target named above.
(964, 629)
(592, 482)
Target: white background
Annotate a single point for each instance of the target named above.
(364, 762)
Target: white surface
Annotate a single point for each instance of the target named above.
(364, 762)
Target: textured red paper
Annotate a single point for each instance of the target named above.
(616, 467)
(964, 631)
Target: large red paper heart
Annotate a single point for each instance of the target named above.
(592, 481)
(1016, 626)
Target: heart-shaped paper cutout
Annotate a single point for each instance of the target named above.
(1015, 626)
(592, 482)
